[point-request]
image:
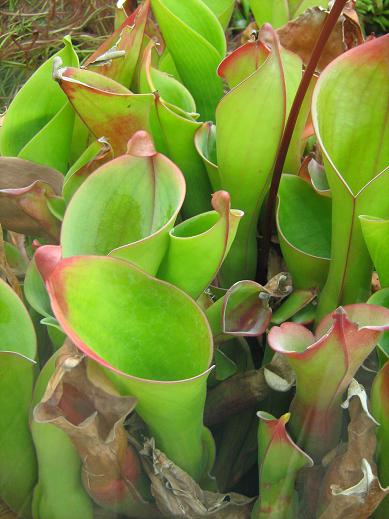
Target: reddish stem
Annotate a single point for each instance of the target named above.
(325, 33)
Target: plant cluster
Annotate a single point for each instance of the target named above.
(169, 347)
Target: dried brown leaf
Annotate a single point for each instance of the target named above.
(178, 495)
(81, 401)
(300, 35)
(350, 487)
(358, 501)
(280, 285)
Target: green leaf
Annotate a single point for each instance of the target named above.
(97, 153)
(17, 331)
(173, 130)
(108, 109)
(196, 41)
(109, 43)
(243, 62)
(296, 302)
(34, 107)
(279, 460)
(17, 354)
(54, 331)
(169, 89)
(175, 136)
(119, 61)
(304, 231)
(52, 144)
(80, 139)
(205, 143)
(275, 12)
(380, 410)
(35, 291)
(126, 208)
(381, 298)
(224, 366)
(57, 206)
(198, 246)
(355, 143)
(139, 332)
(250, 121)
(16, 258)
(376, 234)
(329, 359)
(52, 322)
(306, 315)
(223, 9)
(167, 65)
(244, 309)
(294, 157)
(297, 7)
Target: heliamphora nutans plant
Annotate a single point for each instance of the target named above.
(280, 461)
(30, 130)
(324, 364)
(164, 386)
(18, 350)
(138, 339)
(358, 180)
(248, 135)
(379, 399)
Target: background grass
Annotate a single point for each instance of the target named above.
(375, 15)
(32, 30)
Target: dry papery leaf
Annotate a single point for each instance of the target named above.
(82, 402)
(280, 285)
(300, 35)
(178, 495)
(350, 488)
